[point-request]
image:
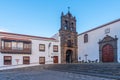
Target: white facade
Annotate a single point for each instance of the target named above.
(17, 58)
(91, 48)
(48, 53)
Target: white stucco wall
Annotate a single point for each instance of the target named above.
(35, 54)
(14, 57)
(48, 53)
(91, 48)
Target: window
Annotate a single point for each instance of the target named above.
(27, 46)
(17, 45)
(26, 60)
(65, 27)
(20, 45)
(41, 47)
(2, 44)
(7, 44)
(14, 45)
(85, 38)
(7, 60)
(66, 22)
(72, 24)
(72, 29)
(42, 60)
(107, 30)
(55, 48)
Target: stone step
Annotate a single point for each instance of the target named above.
(102, 70)
(107, 69)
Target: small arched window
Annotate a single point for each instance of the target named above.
(85, 38)
(66, 22)
(65, 27)
(71, 28)
(72, 24)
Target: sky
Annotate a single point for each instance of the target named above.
(42, 17)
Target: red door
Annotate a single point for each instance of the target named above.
(55, 59)
(107, 53)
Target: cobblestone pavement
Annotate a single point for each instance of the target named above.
(45, 75)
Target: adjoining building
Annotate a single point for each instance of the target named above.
(18, 49)
(101, 44)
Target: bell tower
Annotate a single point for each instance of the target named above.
(68, 38)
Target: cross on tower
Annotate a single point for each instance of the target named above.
(68, 9)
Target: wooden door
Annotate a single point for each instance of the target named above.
(55, 59)
(108, 53)
(26, 60)
(42, 60)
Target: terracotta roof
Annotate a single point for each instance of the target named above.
(30, 36)
(101, 26)
(17, 39)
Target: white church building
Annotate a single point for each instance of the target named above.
(101, 44)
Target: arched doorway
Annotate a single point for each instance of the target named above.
(69, 56)
(108, 49)
(107, 53)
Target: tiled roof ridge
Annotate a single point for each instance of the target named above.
(27, 35)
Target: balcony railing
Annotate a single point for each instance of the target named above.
(10, 45)
(11, 51)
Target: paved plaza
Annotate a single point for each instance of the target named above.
(41, 74)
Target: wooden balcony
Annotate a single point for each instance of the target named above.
(10, 51)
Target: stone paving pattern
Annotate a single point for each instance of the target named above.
(40, 73)
(107, 70)
(31, 74)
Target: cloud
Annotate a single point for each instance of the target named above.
(3, 29)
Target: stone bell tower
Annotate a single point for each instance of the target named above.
(68, 38)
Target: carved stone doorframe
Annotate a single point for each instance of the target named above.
(111, 41)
